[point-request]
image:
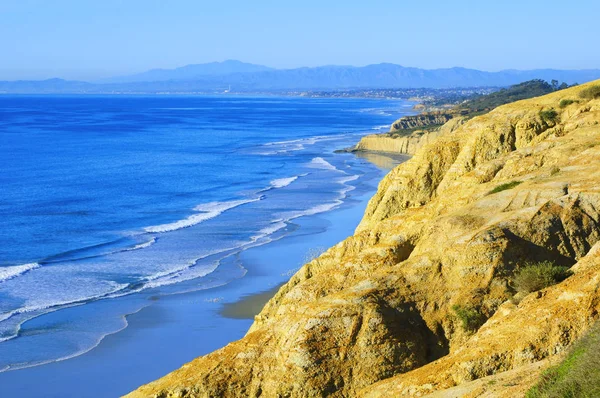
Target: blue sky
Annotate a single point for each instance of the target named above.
(84, 39)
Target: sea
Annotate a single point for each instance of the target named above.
(109, 202)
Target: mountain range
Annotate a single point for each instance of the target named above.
(245, 77)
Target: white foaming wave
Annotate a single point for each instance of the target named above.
(344, 181)
(375, 111)
(172, 271)
(13, 271)
(320, 163)
(124, 325)
(279, 147)
(283, 182)
(320, 208)
(383, 126)
(275, 226)
(208, 211)
(142, 245)
(114, 288)
(181, 276)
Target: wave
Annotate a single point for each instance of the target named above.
(275, 226)
(139, 246)
(375, 111)
(280, 147)
(182, 275)
(114, 287)
(283, 182)
(320, 163)
(13, 271)
(124, 325)
(286, 217)
(208, 211)
(383, 126)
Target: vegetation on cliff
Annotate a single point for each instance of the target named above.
(577, 376)
(412, 129)
(525, 90)
(537, 276)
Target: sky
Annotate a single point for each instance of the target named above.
(94, 39)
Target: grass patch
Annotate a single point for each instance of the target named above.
(407, 132)
(566, 102)
(590, 92)
(470, 317)
(577, 376)
(549, 115)
(505, 186)
(537, 276)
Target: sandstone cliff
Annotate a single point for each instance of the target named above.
(406, 144)
(373, 315)
(421, 120)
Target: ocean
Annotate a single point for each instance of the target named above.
(108, 202)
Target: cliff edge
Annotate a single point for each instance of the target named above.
(376, 315)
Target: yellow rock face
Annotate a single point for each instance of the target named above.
(373, 315)
(408, 144)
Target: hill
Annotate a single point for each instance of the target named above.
(190, 72)
(242, 77)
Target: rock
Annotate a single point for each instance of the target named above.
(406, 143)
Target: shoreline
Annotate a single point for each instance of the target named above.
(182, 326)
(248, 307)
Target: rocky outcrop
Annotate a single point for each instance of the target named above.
(373, 316)
(421, 120)
(406, 144)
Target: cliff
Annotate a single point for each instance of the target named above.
(408, 134)
(376, 315)
(406, 143)
(422, 120)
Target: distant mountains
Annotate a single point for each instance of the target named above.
(191, 72)
(244, 77)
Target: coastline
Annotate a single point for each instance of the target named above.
(182, 326)
(426, 294)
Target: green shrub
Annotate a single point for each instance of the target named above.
(549, 115)
(505, 186)
(577, 376)
(537, 276)
(470, 317)
(566, 102)
(590, 92)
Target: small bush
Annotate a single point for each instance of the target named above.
(566, 102)
(533, 277)
(590, 92)
(549, 115)
(577, 376)
(554, 170)
(470, 317)
(504, 187)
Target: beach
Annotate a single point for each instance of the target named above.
(125, 270)
(177, 328)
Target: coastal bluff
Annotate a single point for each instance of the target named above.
(375, 315)
(407, 144)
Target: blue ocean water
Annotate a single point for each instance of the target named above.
(103, 197)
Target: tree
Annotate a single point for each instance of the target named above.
(554, 84)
